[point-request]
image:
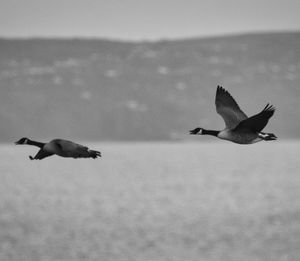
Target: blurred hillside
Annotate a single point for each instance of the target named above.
(109, 90)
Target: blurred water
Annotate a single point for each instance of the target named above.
(152, 201)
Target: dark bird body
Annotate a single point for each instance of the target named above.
(239, 128)
(60, 147)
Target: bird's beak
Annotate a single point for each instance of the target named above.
(194, 131)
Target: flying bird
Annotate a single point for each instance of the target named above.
(60, 147)
(238, 127)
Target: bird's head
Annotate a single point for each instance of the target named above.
(197, 131)
(22, 141)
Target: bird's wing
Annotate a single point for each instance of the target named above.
(257, 122)
(41, 155)
(228, 108)
(70, 146)
(72, 149)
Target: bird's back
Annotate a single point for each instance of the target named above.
(66, 148)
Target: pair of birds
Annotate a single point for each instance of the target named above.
(238, 128)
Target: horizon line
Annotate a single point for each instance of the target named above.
(150, 40)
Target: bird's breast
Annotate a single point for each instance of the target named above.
(52, 147)
(240, 138)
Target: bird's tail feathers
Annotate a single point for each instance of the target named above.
(267, 136)
(94, 154)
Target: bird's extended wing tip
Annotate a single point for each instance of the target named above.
(220, 88)
(269, 107)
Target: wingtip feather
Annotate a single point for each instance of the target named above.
(269, 107)
(220, 88)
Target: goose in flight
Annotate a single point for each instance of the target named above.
(238, 127)
(63, 148)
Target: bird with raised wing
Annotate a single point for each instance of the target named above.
(238, 127)
(60, 147)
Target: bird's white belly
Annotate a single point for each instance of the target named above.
(245, 138)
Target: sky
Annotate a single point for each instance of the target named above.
(145, 19)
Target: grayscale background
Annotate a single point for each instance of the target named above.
(130, 78)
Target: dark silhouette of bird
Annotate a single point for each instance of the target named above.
(238, 127)
(60, 147)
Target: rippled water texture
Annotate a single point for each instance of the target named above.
(152, 201)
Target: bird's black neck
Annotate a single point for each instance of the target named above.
(36, 143)
(210, 132)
